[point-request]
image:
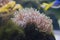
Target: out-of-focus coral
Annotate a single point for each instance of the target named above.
(27, 24)
(17, 7)
(22, 17)
(46, 6)
(7, 7)
(3, 2)
(8, 29)
(32, 33)
(10, 7)
(11, 31)
(7, 10)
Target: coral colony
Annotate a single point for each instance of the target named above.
(26, 23)
(23, 16)
(37, 26)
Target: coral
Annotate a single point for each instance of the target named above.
(22, 17)
(11, 31)
(27, 24)
(3, 2)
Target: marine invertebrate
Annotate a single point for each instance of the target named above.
(11, 5)
(36, 26)
(17, 7)
(11, 31)
(8, 6)
(8, 9)
(3, 2)
(27, 24)
(26, 15)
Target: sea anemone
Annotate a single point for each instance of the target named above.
(22, 17)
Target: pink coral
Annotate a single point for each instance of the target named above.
(23, 16)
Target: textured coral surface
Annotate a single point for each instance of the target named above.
(23, 16)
